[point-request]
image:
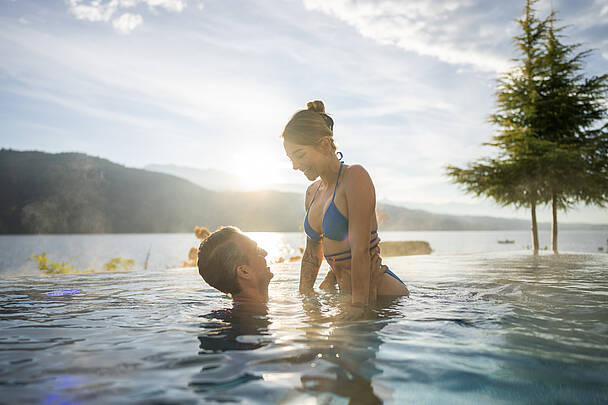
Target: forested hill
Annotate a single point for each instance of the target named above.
(77, 193)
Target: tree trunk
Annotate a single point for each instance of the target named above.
(534, 227)
(554, 223)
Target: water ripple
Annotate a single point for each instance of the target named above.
(504, 327)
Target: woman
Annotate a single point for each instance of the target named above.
(340, 211)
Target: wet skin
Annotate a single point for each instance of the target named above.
(312, 161)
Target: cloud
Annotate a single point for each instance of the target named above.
(103, 11)
(217, 93)
(455, 32)
(93, 10)
(472, 33)
(587, 23)
(171, 5)
(127, 22)
(118, 84)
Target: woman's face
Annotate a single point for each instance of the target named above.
(305, 158)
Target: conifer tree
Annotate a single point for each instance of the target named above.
(516, 175)
(570, 110)
(552, 145)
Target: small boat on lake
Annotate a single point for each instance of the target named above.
(506, 241)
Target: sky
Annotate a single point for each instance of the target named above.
(211, 84)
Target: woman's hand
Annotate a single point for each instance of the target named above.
(329, 282)
(376, 268)
(354, 312)
(309, 268)
(375, 274)
(359, 310)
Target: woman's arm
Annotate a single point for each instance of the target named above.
(361, 200)
(313, 254)
(311, 261)
(376, 270)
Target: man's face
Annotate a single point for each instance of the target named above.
(257, 261)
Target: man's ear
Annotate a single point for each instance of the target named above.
(243, 271)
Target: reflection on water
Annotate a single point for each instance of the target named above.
(239, 328)
(503, 327)
(313, 356)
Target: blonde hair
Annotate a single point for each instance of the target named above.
(310, 126)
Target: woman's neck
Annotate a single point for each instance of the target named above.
(329, 174)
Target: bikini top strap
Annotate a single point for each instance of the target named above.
(336, 186)
(313, 197)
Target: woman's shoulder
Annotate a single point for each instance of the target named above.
(358, 183)
(310, 191)
(356, 173)
(312, 187)
(359, 188)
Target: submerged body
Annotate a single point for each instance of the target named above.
(327, 210)
(341, 211)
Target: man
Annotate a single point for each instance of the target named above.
(234, 264)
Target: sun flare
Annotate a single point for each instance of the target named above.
(257, 171)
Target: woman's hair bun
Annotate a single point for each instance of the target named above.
(316, 105)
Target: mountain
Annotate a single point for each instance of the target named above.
(394, 218)
(210, 179)
(77, 193)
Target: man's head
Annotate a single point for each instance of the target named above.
(233, 263)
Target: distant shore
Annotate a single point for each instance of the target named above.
(74, 193)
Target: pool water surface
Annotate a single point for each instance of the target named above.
(504, 327)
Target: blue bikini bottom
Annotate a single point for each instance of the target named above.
(390, 273)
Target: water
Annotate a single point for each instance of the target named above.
(171, 250)
(500, 327)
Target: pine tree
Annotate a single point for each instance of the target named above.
(516, 176)
(570, 108)
(552, 146)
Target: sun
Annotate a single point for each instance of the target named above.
(253, 179)
(257, 173)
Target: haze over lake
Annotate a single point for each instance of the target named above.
(170, 250)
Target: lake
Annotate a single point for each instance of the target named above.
(171, 250)
(484, 323)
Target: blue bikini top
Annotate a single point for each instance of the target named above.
(335, 225)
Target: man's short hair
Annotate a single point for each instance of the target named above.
(218, 257)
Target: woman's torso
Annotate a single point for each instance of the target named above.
(327, 218)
